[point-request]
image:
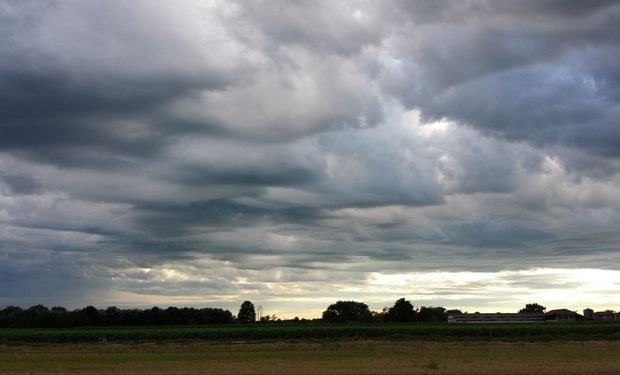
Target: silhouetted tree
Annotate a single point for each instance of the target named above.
(432, 314)
(533, 308)
(112, 316)
(269, 318)
(41, 316)
(174, 316)
(402, 311)
(37, 316)
(90, 316)
(10, 316)
(379, 316)
(247, 314)
(347, 311)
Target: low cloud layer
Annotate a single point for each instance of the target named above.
(210, 152)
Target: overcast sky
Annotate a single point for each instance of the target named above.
(199, 153)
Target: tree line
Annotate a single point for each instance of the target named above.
(40, 316)
(402, 311)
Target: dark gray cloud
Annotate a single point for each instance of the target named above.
(542, 72)
(152, 153)
(20, 184)
(322, 26)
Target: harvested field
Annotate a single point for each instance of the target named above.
(339, 357)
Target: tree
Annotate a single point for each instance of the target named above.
(247, 314)
(269, 318)
(432, 314)
(347, 311)
(89, 315)
(533, 308)
(402, 311)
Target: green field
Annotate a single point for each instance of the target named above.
(328, 357)
(319, 331)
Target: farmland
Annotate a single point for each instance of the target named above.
(333, 357)
(318, 331)
(280, 348)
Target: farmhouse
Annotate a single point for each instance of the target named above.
(600, 316)
(604, 316)
(562, 315)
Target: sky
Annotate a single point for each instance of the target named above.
(463, 154)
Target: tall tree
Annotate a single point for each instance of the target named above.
(347, 311)
(247, 314)
(402, 311)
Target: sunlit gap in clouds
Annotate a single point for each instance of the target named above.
(282, 293)
(570, 288)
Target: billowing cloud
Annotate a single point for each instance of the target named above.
(293, 154)
(543, 72)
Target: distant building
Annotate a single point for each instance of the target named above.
(604, 316)
(600, 316)
(496, 318)
(562, 315)
(557, 315)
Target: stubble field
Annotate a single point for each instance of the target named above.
(315, 349)
(334, 357)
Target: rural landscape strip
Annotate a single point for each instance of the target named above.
(319, 331)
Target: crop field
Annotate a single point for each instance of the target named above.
(318, 331)
(329, 357)
(315, 348)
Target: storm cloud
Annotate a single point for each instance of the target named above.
(207, 152)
